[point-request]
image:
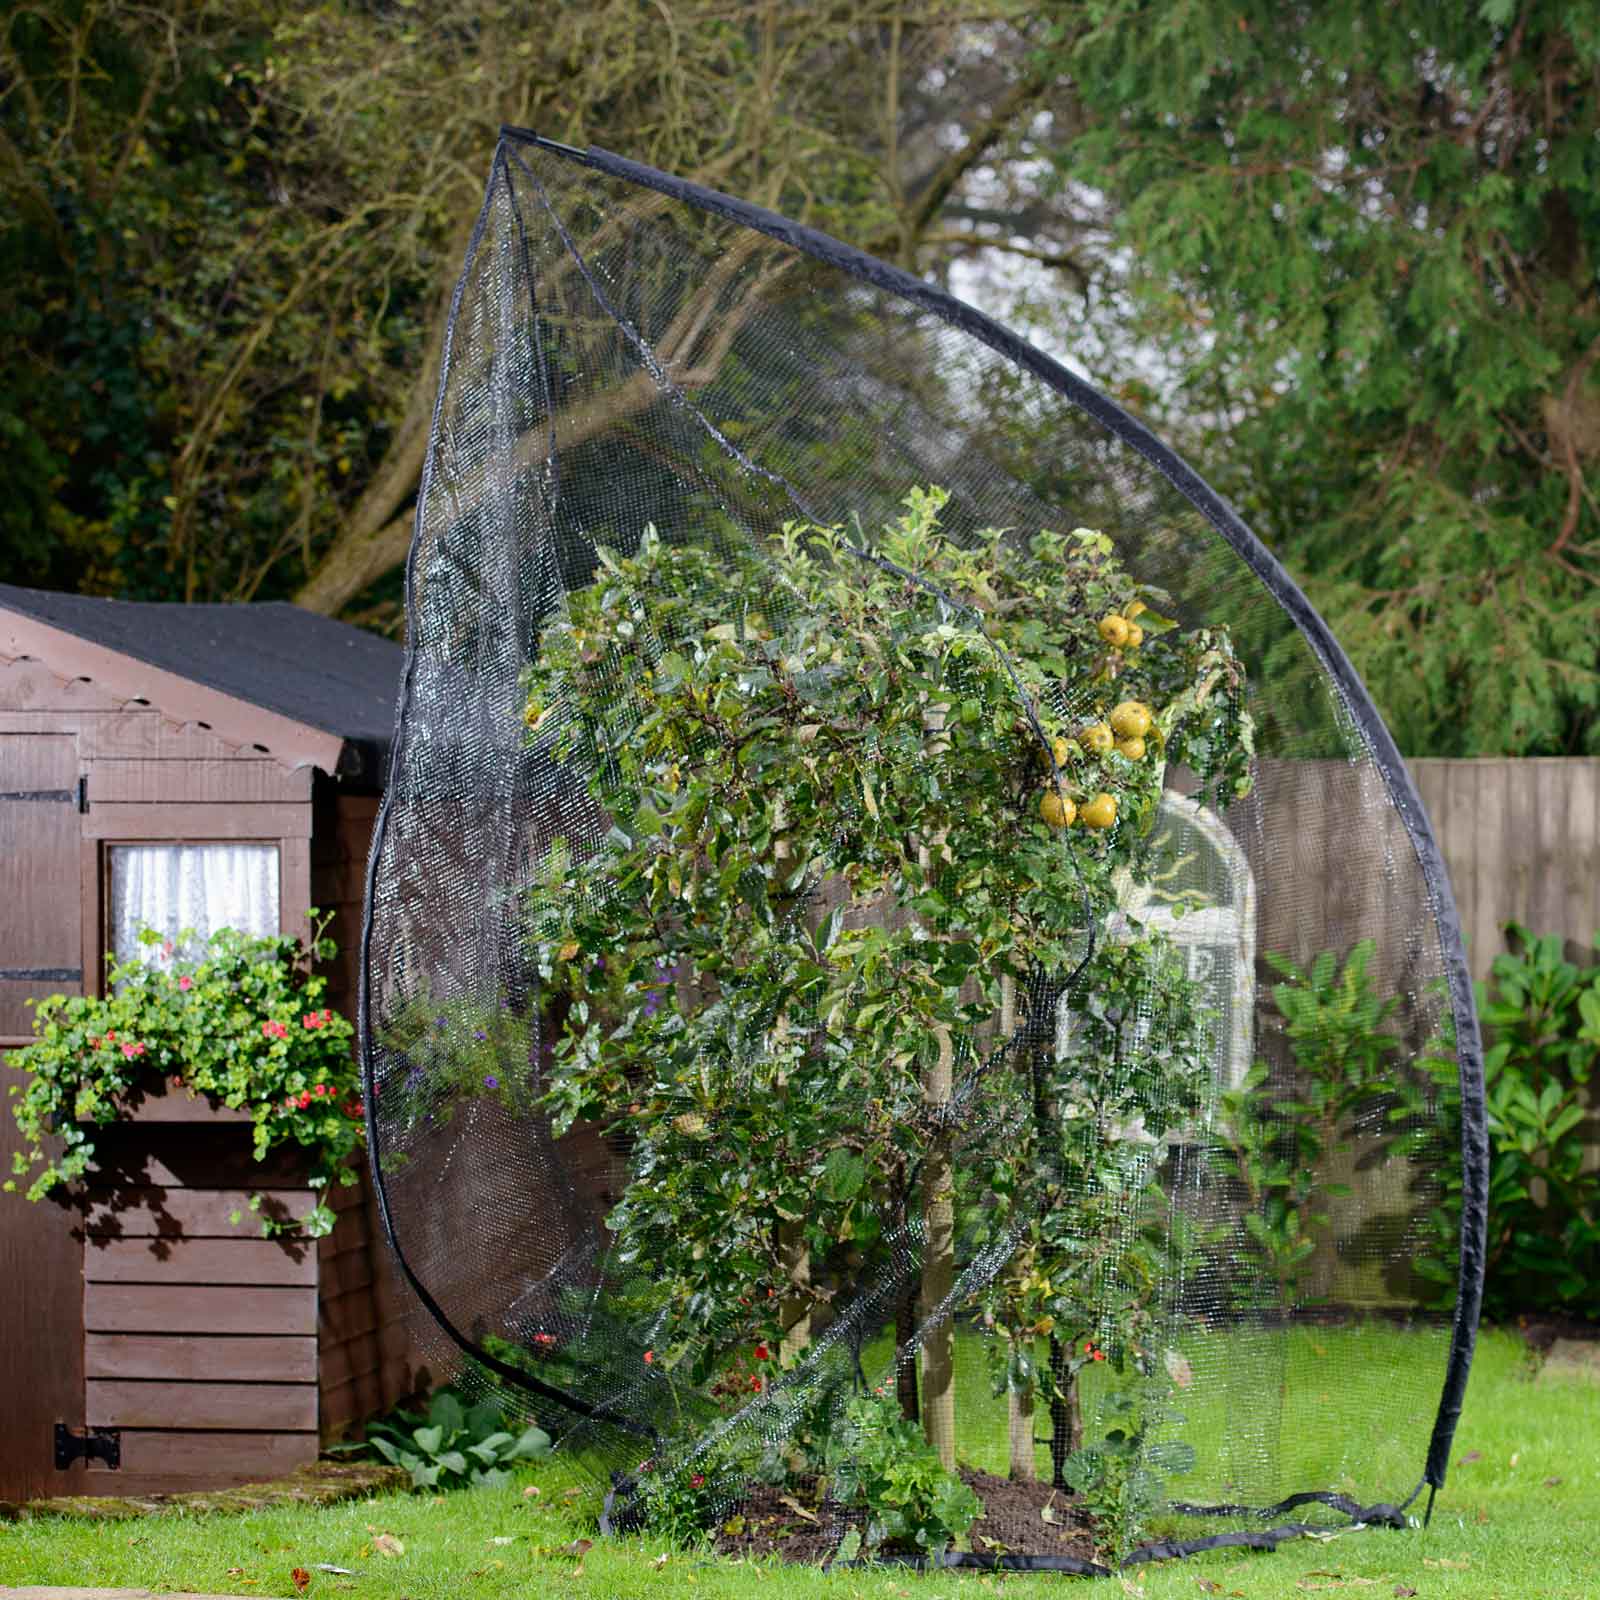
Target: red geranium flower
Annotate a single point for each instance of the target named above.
(649, 1358)
(761, 1352)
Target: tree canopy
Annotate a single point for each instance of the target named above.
(1344, 256)
(1365, 239)
(231, 232)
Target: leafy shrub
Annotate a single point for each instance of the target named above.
(455, 1446)
(1541, 1014)
(1276, 1139)
(881, 1462)
(243, 1024)
(1120, 1476)
(752, 729)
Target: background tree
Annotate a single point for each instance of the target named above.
(1363, 240)
(231, 231)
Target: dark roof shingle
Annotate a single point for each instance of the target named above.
(324, 674)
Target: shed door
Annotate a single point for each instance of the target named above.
(41, 1259)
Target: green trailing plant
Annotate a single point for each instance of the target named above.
(455, 1446)
(240, 1022)
(880, 1463)
(1541, 1015)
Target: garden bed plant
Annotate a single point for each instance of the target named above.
(239, 1020)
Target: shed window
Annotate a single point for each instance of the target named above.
(203, 887)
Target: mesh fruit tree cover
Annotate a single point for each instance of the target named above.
(911, 1008)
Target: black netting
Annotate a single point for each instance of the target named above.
(890, 906)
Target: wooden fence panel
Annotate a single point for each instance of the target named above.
(1522, 842)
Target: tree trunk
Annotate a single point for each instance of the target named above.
(795, 1309)
(1066, 1420)
(1019, 1428)
(938, 1217)
(938, 1270)
(905, 1374)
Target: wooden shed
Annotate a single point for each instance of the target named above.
(195, 766)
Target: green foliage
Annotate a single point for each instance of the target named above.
(239, 1023)
(752, 730)
(1542, 1018)
(1120, 1474)
(1136, 1072)
(455, 1446)
(230, 229)
(881, 1463)
(1276, 1139)
(1365, 242)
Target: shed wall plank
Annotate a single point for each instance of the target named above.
(161, 1308)
(190, 820)
(147, 1212)
(236, 1358)
(201, 782)
(172, 1457)
(200, 1261)
(135, 1403)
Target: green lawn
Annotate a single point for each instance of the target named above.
(1518, 1521)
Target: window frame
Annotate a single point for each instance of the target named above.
(103, 906)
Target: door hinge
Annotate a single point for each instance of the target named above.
(93, 1444)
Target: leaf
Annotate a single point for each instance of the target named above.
(795, 1506)
(1403, 1589)
(579, 1548)
(849, 1546)
(387, 1545)
(843, 1174)
(1471, 1455)
(429, 1440)
(532, 1445)
(300, 1578)
(1178, 1368)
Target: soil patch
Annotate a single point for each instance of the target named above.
(322, 1483)
(1541, 1331)
(1019, 1518)
(1023, 1518)
(1572, 1358)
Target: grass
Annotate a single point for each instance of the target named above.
(1515, 1521)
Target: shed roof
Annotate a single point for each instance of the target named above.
(322, 674)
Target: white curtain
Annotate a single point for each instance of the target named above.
(170, 887)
